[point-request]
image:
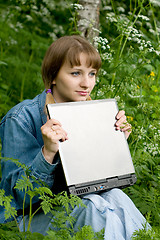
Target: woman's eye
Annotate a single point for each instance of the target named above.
(92, 74)
(75, 73)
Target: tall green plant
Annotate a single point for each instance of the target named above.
(60, 206)
(27, 29)
(130, 73)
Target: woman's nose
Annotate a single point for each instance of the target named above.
(84, 82)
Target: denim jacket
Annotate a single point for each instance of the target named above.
(20, 133)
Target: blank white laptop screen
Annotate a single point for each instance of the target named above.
(95, 150)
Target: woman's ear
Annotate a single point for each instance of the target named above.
(54, 82)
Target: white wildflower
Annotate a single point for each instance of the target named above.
(77, 6)
(107, 56)
(152, 31)
(155, 153)
(13, 42)
(50, 4)
(103, 72)
(157, 52)
(117, 98)
(111, 17)
(83, 22)
(45, 11)
(155, 2)
(151, 49)
(96, 30)
(19, 25)
(34, 7)
(52, 35)
(120, 9)
(158, 29)
(29, 18)
(141, 48)
(144, 17)
(148, 24)
(107, 8)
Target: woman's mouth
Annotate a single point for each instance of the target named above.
(82, 93)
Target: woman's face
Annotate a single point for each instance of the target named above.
(74, 83)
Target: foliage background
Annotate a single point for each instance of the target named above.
(129, 46)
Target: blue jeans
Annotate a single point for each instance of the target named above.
(113, 210)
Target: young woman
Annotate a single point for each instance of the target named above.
(69, 72)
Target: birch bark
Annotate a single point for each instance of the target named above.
(88, 19)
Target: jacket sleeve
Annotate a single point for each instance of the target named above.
(19, 142)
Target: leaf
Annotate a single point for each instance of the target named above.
(86, 232)
(4, 87)
(10, 212)
(46, 204)
(24, 184)
(2, 195)
(3, 63)
(16, 161)
(43, 190)
(31, 193)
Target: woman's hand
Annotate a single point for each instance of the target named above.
(52, 133)
(122, 123)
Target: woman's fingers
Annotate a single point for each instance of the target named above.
(120, 114)
(122, 124)
(52, 122)
(59, 134)
(52, 133)
(53, 130)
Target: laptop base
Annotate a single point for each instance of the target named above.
(106, 184)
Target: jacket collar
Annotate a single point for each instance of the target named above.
(42, 101)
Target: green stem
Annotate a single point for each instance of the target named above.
(116, 60)
(130, 5)
(1, 52)
(129, 33)
(74, 17)
(158, 76)
(113, 7)
(121, 49)
(131, 75)
(114, 40)
(24, 77)
(30, 215)
(134, 151)
(155, 24)
(23, 211)
(36, 211)
(17, 224)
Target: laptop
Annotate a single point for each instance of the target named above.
(96, 157)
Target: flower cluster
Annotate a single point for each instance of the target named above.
(102, 42)
(133, 34)
(144, 18)
(11, 41)
(133, 90)
(141, 132)
(107, 56)
(142, 44)
(77, 6)
(155, 2)
(151, 148)
(111, 17)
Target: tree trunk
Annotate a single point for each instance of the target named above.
(88, 19)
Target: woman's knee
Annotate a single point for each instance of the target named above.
(115, 194)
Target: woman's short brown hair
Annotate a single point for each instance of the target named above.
(67, 49)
